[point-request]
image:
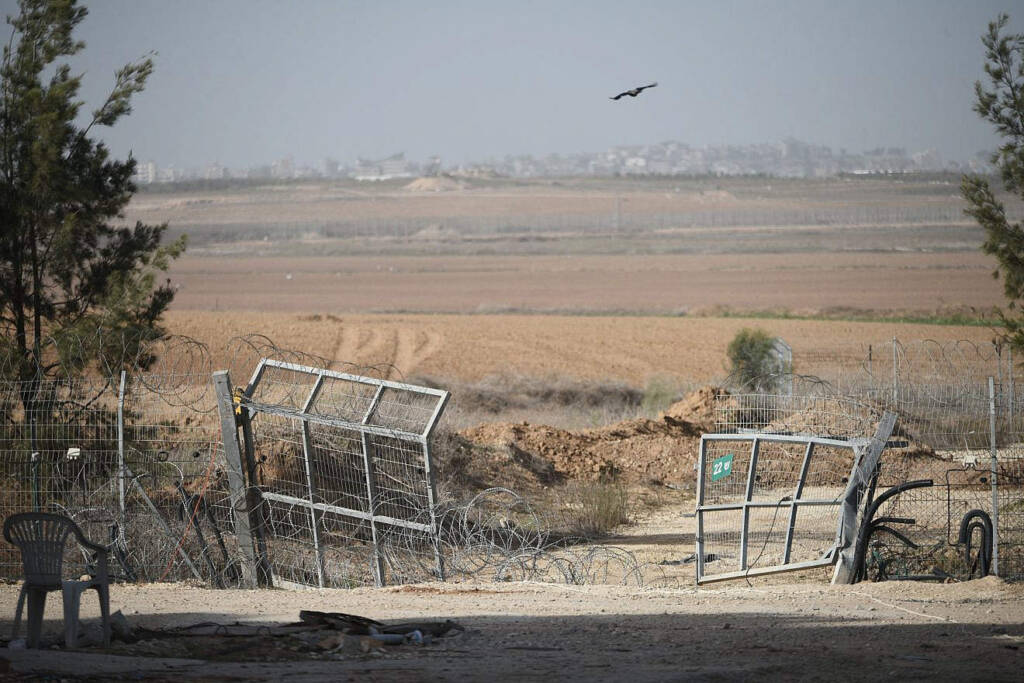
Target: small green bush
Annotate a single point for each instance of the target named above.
(750, 359)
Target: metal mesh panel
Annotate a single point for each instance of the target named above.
(138, 467)
(721, 547)
(343, 470)
(768, 502)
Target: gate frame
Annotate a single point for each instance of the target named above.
(249, 408)
(865, 461)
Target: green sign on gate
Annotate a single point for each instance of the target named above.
(721, 467)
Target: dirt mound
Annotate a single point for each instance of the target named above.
(823, 416)
(642, 449)
(698, 407)
(665, 449)
(435, 184)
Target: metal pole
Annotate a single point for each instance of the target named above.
(30, 408)
(377, 564)
(120, 445)
(1009, 372)
(236, 478)
(995, 488)
(895, 372)
(751, 478)
(1000, 406)
(307, 458)
(700, 513)
(432, 485)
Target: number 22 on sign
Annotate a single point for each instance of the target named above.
(721, 467)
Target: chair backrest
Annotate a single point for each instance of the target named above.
(40, 536)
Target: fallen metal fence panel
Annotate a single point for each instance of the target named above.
(343, 472)
(768, 503)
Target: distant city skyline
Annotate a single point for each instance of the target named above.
(787, 158)
(242, 83)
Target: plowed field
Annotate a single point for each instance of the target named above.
(632, 349)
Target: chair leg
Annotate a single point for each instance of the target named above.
(104, 593)
(36, 606)
(17, 612)
(72, 593)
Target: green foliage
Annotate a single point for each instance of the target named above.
(1001, 103)
(66, 268)
(751, 363)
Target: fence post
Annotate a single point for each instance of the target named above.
(432, 485)
(371, 491)
(307, 459)
(994, 465)
(30, 408)
(236, 479)
(1001, 402)
(854, 500)
(1009, 369)
(895, 372)
(120, 445)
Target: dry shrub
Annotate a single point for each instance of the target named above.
(593, 509)
(660, 393)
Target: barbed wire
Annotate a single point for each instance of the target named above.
(172, 451)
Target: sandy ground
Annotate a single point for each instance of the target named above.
(786, 627)
(970, 631)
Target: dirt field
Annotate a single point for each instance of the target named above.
(631, 349)
(807, 283)
(578, 245)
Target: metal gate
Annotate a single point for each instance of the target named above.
(342, 470)
(769, 503)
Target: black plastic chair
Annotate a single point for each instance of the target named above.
(41, 537)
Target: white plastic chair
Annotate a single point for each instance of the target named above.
(41, 536)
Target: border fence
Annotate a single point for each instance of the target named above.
(951, 478)
(135, 460)
(324, 478)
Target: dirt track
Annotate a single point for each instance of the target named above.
(550, 632)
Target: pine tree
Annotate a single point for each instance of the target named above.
(67, 268)
(1001, 102)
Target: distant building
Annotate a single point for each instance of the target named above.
(283, 169)
(169, 175)
(215, 171)
(394, 166)
(329, 168)
(146, 173)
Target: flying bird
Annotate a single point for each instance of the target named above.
(634, 92)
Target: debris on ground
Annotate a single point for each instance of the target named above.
(317, 635)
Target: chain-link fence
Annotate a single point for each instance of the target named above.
(953, 466)
(135, 461)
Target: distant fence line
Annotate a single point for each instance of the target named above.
(610, 221)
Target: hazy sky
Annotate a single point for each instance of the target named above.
(243, 82)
